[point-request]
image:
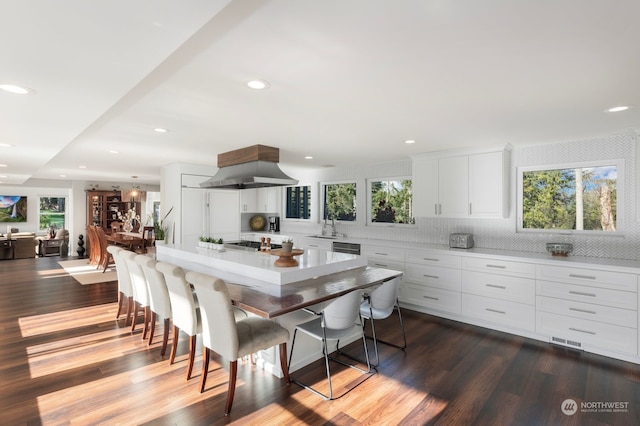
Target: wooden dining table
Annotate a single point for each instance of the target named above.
(129, 240)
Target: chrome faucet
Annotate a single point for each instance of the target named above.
(333, 227)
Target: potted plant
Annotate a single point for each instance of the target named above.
(202, 241)
(160, 229)
(218, 244)
(287, 245)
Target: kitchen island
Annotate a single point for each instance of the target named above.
(321, 276)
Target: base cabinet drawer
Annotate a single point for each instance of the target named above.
(432, 298)
(581, 331)
(511, 314)
(588, 277)
(495, 266)
(515, 289)
(383, 263)
(432, 258)
(433, 276)
(586, 294)
(588, 311)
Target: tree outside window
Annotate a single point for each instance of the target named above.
(581, 199)
(340, 202)
(391, 201)
(52, 212)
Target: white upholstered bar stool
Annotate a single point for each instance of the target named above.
(140, 291)
(158, 299)
(184, 311)
(125, 291)
(337, 320)
(379, 305)
(229, 337)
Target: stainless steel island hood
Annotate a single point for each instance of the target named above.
(252, 167)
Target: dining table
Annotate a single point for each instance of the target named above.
(129, 240)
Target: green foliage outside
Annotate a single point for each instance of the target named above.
(52, 212)
(340, 202)
(391, 201)
(549, 200)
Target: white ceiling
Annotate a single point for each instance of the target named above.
(349, 80)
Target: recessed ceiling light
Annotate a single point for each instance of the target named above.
(160, 130)
(113, 151)
(409, 141)
(15, 89)
(3, 165)
(258, 84)
(618, 108)
(5, 145)
(3, 176)
(82, 167)
(308, 157)
(63, 175)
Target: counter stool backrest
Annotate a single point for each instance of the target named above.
(183, 306)
(158, 292)
(138, 280)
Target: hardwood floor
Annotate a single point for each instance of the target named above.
(65, 360)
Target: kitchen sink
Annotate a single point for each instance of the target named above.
(326, 237)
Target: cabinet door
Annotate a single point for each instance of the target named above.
(249, 201)
(268, 200)
(453, 186)
(486, 189)
(425, 187)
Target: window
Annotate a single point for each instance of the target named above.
(582, 198)
(339, 201)
(52, 212)
(390, 200)
(298, 202)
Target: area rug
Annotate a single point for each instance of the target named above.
(88, 274)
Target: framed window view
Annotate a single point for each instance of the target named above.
(298, 202)
(577, 198)
(390, 201)
(339, 201)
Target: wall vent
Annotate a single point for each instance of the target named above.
(565, 342)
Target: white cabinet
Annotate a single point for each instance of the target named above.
(585, 308)
(314, 243)
(384, 257)
(260, 200)
(461, 185)
(432, 281)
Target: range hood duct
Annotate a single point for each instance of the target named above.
(252, 167)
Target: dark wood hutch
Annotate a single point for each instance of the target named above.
(103, 208)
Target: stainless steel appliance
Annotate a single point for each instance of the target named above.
(461, 240)
(248, 245)
(274, 224)
(343, 247)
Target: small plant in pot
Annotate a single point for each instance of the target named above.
(218, 244)
(287, 245)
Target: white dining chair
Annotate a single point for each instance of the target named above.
(337, 320)
(140, 291)
(158, 299)
(184, 311)
(379, 305)
(229, 337)
(125, 291)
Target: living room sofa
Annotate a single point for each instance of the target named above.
(26, 245)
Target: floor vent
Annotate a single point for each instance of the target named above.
(566, 342)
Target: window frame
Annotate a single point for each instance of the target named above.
(285, 201)
(321, 213)
(40, 197)
(369, 198)
(620, 196)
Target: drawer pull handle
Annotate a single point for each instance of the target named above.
(501, 287)
(496, 266)
(582, 331)
(380, 265)
(381, 254)
(496, 311)
(580, 293)
(431, 297)
(430, 259)
(435, 277)
(583, 310)
(586, 277)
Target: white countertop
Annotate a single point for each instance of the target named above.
(257, 265)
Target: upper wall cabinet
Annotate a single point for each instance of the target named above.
(260, 200)
(462, 184)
